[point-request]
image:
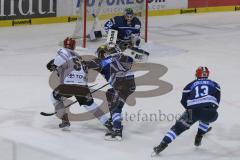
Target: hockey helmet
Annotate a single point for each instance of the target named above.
(106, 50)
(128, 11)
(202, 72)
(69, 43)
(102, 51)
(129, 14)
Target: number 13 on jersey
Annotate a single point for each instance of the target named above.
(201, 91)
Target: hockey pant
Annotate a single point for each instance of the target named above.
(82, 95)
(204, 115)
(117, 96)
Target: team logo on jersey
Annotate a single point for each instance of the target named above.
(128, 33)
(71, 75)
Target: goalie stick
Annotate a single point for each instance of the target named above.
(128, 49)
(50, 114)
(140, 51)
(137, 54)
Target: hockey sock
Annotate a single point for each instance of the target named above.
(97, 112)
(58, 105)
(202, 128)
(116, 118)
(169, 137)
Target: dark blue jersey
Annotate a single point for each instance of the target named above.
(201, 93)
(124, 29)
(112, 67)
(118, 66)
(105, 67)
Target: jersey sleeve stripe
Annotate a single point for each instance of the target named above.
(186, 91)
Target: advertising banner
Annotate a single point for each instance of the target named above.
(24, 9)
(212, 3)
(167, 4)
(114, 6)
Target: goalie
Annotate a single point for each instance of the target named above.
(128, 27)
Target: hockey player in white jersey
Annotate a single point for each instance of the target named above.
(73, 82)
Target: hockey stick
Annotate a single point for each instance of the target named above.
(140, 51)
(50, 114)
(139, 55)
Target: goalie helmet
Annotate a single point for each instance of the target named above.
(202, 72)
(128, 11)
(69, 43)
(128, 14)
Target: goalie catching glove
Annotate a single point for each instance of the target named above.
(133, 42)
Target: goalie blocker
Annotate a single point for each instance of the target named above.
(127, 48)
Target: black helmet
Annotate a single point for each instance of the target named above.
(107, 50)
(129, 12)
(101, 51)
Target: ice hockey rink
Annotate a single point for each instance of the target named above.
(181, 43)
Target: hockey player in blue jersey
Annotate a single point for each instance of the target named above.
(201, 99)
(116, 68)
(128, 27)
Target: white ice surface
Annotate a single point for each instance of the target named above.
(180, 42)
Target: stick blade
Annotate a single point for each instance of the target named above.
(46, 114)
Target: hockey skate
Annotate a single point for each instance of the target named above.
(65, 123)
(114, 135)
(159, 149)
(198, 140)
(198, 137)
(209, 129)
(108, 125)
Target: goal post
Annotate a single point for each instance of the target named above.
(92, 15)
(146, 21)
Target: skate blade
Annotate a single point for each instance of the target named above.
(110, 138)
(197, 145)
(67, 128)
(153, 154)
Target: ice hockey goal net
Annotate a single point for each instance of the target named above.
(92, 14)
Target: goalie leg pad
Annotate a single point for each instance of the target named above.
(135, 38)
(94, 35)
(98, 34)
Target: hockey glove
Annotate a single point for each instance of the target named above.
(135, 38)
(51, 66)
